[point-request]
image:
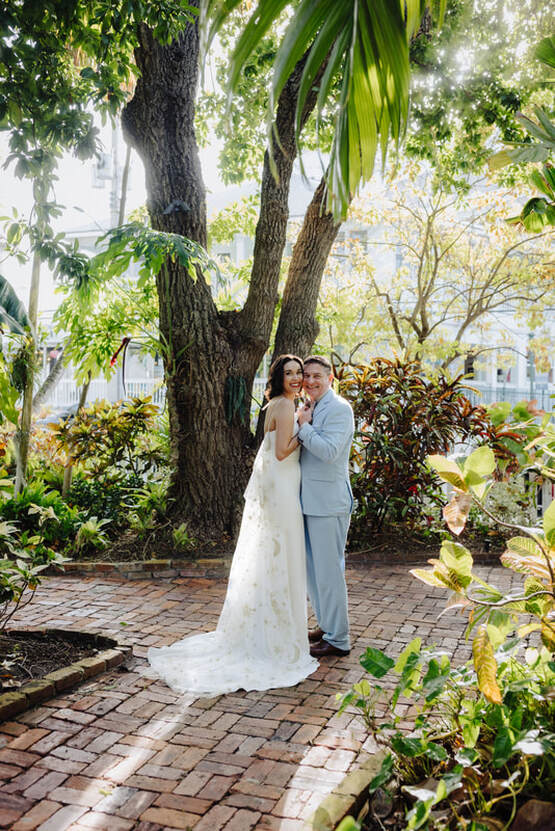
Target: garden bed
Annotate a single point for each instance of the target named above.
(26, 656)
(44, 662)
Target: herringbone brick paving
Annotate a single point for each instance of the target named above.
(124, 752)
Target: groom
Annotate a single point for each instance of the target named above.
(325, 433)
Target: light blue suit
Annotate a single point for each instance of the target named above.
(327, 502)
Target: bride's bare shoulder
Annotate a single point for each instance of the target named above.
(279, 404)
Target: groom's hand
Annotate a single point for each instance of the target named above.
(305, 415)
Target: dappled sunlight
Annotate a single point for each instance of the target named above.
(124, 746)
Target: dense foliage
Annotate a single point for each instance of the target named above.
(359, 50)
(402, 416)
(111, 437)
(482, 741)
(467, 762)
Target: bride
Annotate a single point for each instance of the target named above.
(261, 640)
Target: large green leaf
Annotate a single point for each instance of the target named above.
(12, 310)
(503, 747)
(456, 557)
(481, 461)
(545, 51)
(448, 470)
(549, 524)
(360, 45)
(376, 662)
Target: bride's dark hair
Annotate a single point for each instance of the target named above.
(274, 386)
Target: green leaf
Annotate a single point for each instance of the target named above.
(348, 824)
(545, 51)
(418, 815)
(471, 731)
(426, 575)
(411, 747)
(435, 679)
(456, 557)
(466, 756)
(436, 752)
(376, 662)
(503, 747)
(452, 780)
(12, 310)
(480, 461)
(412, 648)
(529, 744)
(537, 179)
(383, 775)
(548, 523)
(448, 471)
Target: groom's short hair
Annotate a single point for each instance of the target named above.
(319, 359)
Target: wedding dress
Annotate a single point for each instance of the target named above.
(261, 639)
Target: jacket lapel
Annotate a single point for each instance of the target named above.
(322, 405)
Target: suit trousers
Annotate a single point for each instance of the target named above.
(325, 538)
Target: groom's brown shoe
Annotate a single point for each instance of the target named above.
(315, 635)
(323, 649)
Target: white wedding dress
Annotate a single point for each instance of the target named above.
(261, 639)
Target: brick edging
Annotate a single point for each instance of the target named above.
(346, 798)
(137, 569)
(215, 566)
(34, 692)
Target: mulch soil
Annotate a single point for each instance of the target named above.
(27, 657)
(394, 546)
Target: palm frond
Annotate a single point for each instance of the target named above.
(12, 311)
(364, 46)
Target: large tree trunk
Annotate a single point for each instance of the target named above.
(210, 358)
(297, 327)
(159, 123)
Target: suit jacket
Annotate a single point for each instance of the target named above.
(326, 444)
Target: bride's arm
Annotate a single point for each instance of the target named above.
(286, 442)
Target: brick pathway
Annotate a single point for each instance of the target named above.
(124, 752)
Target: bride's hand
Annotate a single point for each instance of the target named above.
(304, 414)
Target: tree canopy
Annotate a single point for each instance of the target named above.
(425, 275)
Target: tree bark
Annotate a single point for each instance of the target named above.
(298, 328)
(23, 434)
(124, 182)
(210, 357)
(158, 123)
(50, 382)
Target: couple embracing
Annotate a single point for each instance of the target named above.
(293, 532)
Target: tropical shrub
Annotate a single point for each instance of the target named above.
(401, 417)
(43, 518)
(91, 535)
(468, 762)
(182, 538)
(46, 458)
(22, 559)
(109, 437)
(525, 424)
(482, 741)
(531, 552)
(103, 497)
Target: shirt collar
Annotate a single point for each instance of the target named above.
(324, 397)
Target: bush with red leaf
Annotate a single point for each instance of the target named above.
(401, 417)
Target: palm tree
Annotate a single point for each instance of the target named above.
(362, 46)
